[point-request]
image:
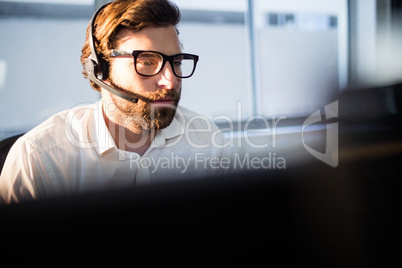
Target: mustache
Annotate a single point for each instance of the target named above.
(159, 95)
(162, 94)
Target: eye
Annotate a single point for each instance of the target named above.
(148, 59)
(178, 61)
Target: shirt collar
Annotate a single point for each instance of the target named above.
(175, 129)
(104, 142)
(103, 137)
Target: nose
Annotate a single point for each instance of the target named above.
(167, 78)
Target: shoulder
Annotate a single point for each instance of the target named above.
(31, 167)
(56, 129)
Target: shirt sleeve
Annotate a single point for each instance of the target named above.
(17, 178)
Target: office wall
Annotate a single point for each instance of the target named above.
(40, 72)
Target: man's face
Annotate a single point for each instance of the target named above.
(158, 95)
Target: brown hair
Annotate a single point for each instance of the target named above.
(127, 14)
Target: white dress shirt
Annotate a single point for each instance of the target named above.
(74, 152)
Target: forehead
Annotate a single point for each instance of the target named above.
(162, 39)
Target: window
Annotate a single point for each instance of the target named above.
(216, 30)
(296, 60)
(40, 70)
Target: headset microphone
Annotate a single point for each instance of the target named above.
(90, 69)
(96, 66)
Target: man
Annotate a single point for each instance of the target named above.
(136, 134)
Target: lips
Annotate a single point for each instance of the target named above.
(164, 103)
(168, 97)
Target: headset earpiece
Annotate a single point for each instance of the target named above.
(90, 67)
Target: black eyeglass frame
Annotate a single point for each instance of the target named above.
(135, 53)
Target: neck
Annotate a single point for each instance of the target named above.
(128, 135)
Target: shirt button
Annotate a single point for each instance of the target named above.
(132, 156)
(145, 162)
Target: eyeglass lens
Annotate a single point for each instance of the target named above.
(150, 63)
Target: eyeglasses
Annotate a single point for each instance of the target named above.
(150, 63)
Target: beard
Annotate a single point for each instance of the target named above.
(145, 114)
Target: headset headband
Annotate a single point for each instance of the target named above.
(97, 68)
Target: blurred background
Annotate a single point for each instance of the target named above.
(257, 57)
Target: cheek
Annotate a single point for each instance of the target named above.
(122, 71)
(125, 76)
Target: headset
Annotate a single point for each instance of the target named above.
(97, 68)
